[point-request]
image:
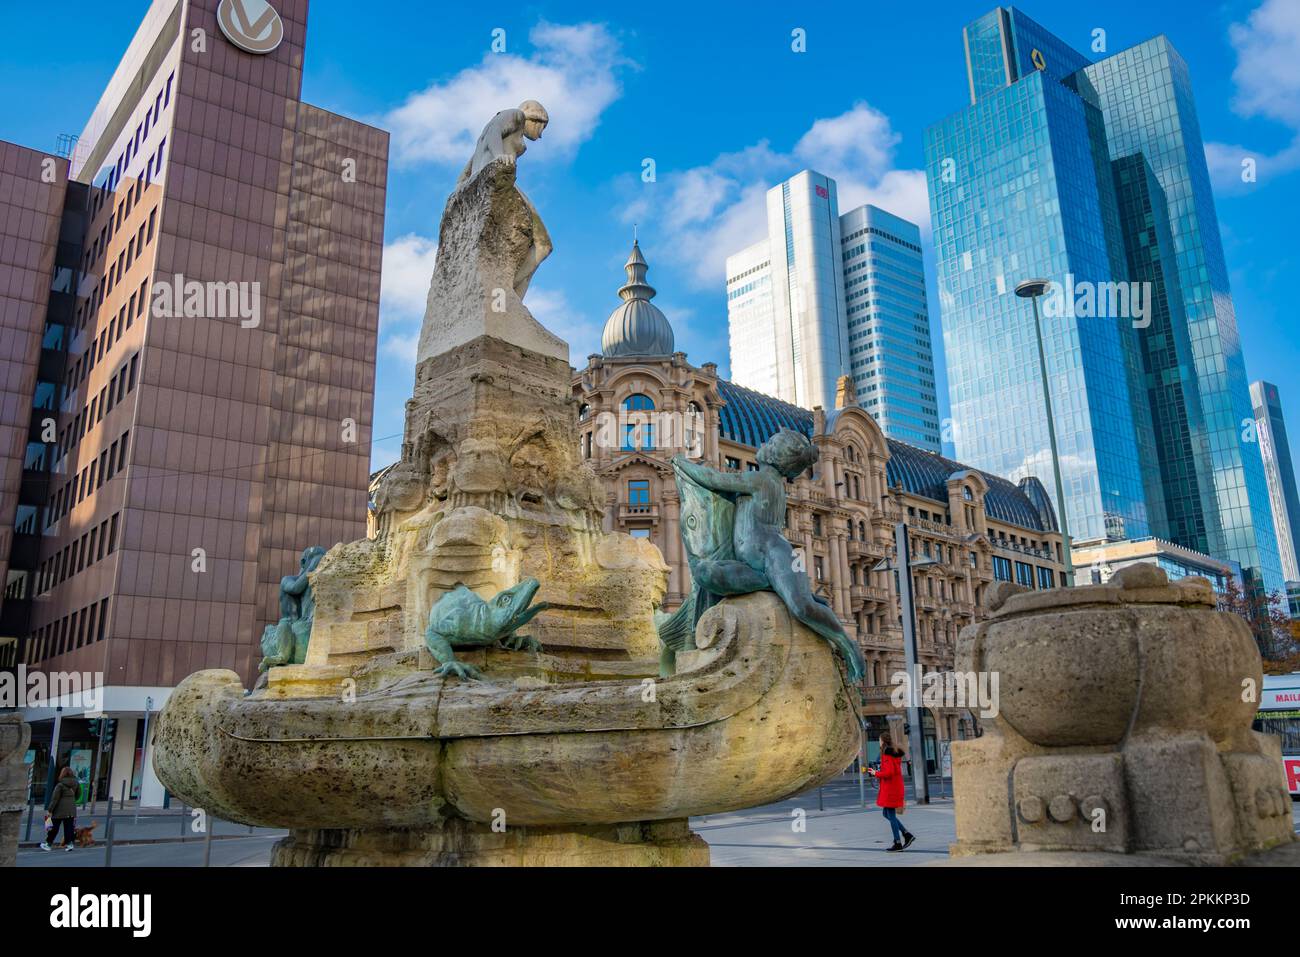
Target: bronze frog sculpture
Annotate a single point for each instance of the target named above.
(461, 619)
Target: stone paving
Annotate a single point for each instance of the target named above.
(840, 834)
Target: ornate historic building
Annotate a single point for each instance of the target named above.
(640, 403)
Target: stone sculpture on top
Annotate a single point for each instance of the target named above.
(285, 642)
(731, 527)
(490, 243)
(503, 139)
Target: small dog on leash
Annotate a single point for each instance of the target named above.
(85, 836)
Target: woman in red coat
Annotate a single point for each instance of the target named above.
(891, 797)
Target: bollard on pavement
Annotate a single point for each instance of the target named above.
(208, 825)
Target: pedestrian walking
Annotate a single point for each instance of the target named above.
(890, 798)
(62, 807)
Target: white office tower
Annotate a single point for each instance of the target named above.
(785, 298)
(826, 295)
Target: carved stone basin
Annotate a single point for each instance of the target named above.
(760, 713)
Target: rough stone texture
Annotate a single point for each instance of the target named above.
(490, 490)
(1128, 703)
(15, 735)
(461, 844)
(488, 232)
(766, 716)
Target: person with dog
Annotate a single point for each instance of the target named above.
(62, 807)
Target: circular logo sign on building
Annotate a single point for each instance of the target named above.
(252, 25)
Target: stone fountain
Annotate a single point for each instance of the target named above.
(1123, 734)
(416, 727)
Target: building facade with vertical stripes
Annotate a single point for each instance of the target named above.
(206, 368)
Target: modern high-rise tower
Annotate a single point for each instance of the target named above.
(826, 295)
(1093, 177)
(796, 349)
(890, 357)
(1279, 471)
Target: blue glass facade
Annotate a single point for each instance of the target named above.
(1093, 175)
(1145, 94)
(1015, 194)
(1279, 473)
(890, 356)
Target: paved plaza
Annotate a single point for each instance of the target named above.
(837, 832)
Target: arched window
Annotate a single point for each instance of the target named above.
(584, 413)
(638, 422)
(694, 431)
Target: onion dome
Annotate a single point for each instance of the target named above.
(637, 327)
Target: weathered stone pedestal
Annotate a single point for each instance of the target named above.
(464, 844)
(1124, 732)
(490, 490)
(15, 735)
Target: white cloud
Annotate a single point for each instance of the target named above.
(1267, 80)
(407, 269)
(402, 346)
(714, 210)
(861, 138)
(573, 71)
(1268, 62)
(552, 309)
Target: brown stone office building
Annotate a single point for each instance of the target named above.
(640, 402)
(189, 313)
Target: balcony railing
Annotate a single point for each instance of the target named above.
(865, 593)
(1039, 553)
(877, 693)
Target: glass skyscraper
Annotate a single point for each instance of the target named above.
(826, 295)
(1279, 472)
(1145, 94)
(1093, 176)
(890, 356)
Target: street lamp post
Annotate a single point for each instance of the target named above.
(1031, 289)
(911, 656)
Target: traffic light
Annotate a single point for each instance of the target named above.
(94, 727)
(110, 728)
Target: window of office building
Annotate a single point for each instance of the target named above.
(638, 492)
(638, 424)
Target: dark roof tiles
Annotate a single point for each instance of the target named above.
(751, 418)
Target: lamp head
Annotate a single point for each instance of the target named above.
(1032, 288)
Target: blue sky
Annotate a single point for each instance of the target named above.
(715, 96)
